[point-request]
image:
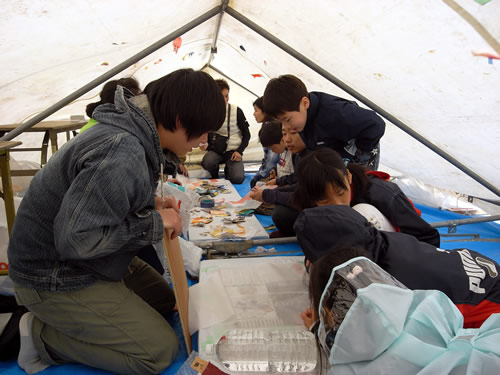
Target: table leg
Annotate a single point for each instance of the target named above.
(45, 146)
(53, 140)
(8, 194)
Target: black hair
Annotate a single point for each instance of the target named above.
(108, 92)
(259, 103)
(325, 166)
(270, 133)
(283, 94)
(222, 83)
(191, 96)
(314, 172)
(322, 269)
(360, 182)
(321, 272)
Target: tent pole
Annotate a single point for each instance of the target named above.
(229, 78)
(213, 47)
(471, 220)
(106, 76)
(325, 74)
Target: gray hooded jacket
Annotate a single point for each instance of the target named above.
(89, 210)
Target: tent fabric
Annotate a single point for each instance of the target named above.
(431, 64)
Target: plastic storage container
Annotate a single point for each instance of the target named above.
(267, 350)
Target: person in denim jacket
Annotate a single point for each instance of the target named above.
(87, 212)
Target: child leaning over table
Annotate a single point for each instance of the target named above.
(87, 212)
(284, 213)
(271, 137)
(324, 120)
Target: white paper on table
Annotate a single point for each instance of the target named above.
(248, 204)
(208, 304)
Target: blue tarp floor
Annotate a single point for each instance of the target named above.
(484, 230)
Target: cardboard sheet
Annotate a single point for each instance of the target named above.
(262, 292)
(179, 281)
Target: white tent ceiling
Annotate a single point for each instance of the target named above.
(414, 59)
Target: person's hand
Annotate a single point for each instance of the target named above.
(171, 220)
(272, 174)
(307, 264)
(308, 318)
(256, 194)
(166, 202)
(184, 171)
(236, 156)
(174, 181)
(271, 182)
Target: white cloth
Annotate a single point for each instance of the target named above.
(285, 164)
(234, 140)
(374, 217)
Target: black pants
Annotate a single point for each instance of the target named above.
(283, 218)
(234, 171)
(148, 254)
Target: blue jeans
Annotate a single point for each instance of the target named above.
(269, 162)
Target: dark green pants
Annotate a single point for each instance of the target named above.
(115, 326)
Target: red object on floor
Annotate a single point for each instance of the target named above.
(213, 370)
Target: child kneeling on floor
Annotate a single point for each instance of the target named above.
(72, 251)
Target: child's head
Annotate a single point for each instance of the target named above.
(108, 92)
(258, 113)
(322, 179)
(286, 98)
(293, 140)
(334, 293)
(270, 136)
(186, 105)
(321, 270)
(224, 88)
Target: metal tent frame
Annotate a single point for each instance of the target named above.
(220, 11)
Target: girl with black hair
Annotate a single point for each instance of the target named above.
(108, 96)
(323, 179)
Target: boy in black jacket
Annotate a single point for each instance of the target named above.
(326, 120)
(469, 279)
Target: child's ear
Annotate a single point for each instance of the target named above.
(305, 102)
(349, 177)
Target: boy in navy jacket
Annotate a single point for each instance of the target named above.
(326, 120)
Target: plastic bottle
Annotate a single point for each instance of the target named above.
(267, 350)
